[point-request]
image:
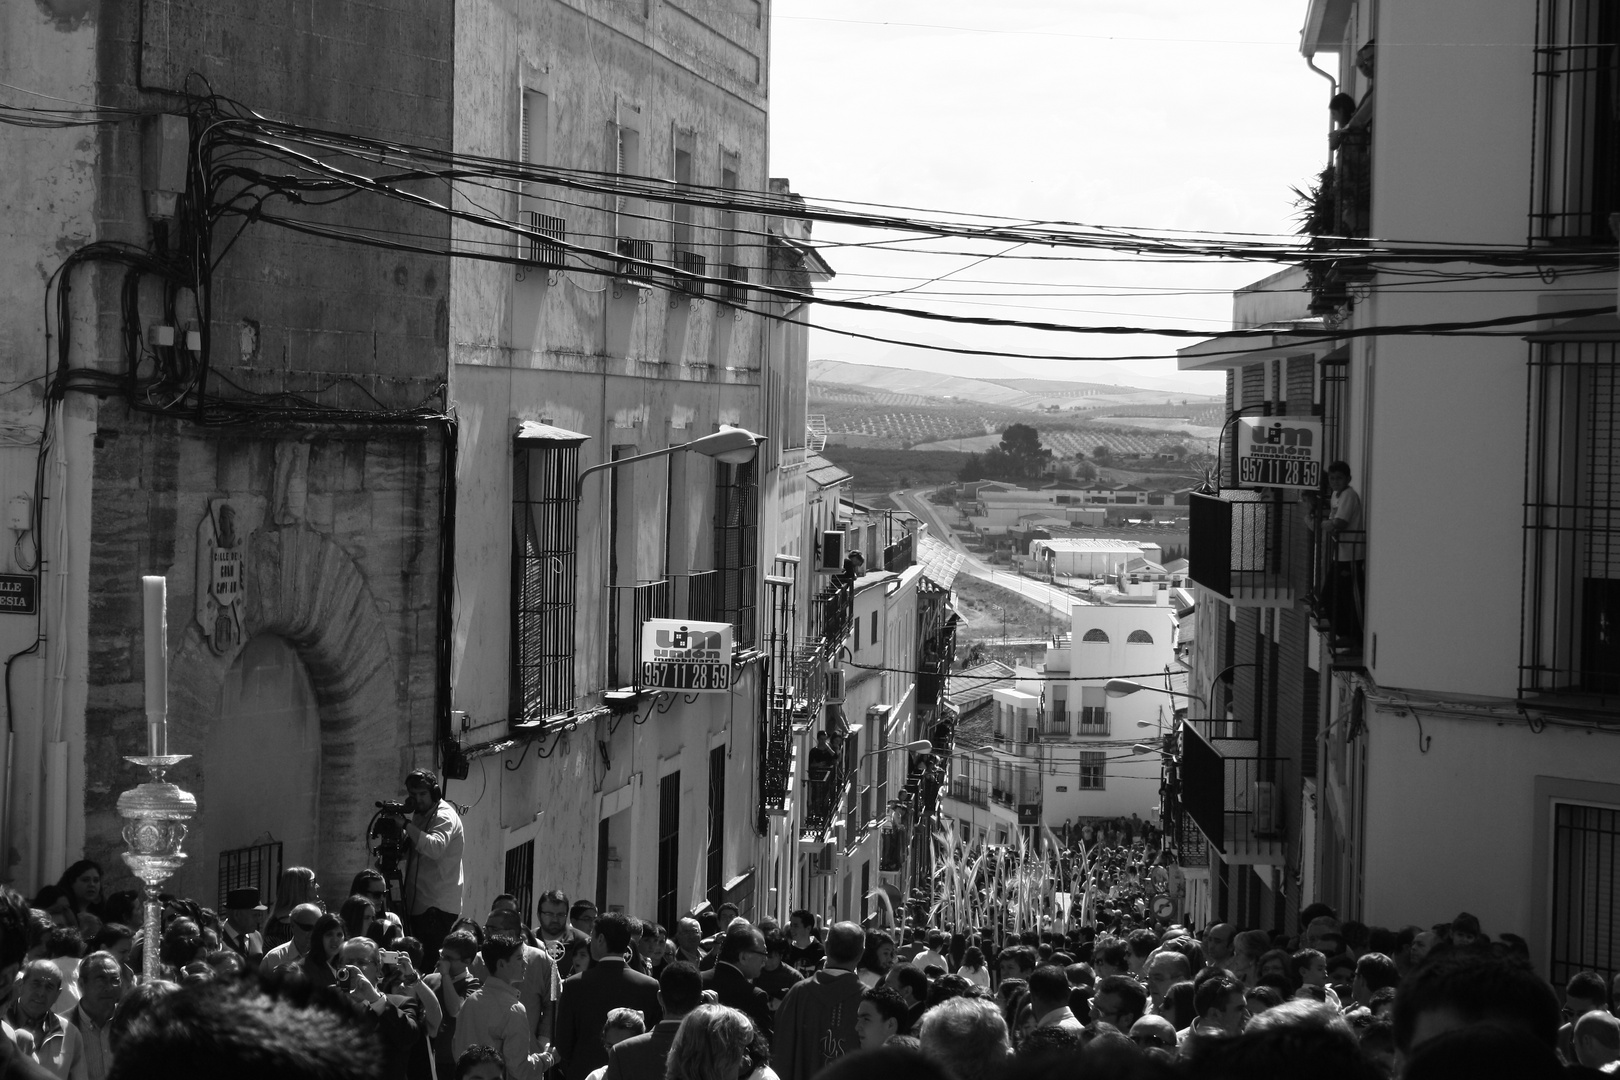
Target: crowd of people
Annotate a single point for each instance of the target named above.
(566, 992)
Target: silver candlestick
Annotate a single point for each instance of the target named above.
(155, 815)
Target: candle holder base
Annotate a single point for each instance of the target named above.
(155, 815)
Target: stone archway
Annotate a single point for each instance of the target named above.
(305, 588)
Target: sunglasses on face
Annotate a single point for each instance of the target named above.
(1149, 1038)
(304, 925)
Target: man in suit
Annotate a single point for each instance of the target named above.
(244, 916)
(741, 959)
(680, 990)
(587, 998)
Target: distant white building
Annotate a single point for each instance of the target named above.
(1088, 556)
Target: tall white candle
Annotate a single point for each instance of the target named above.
(154, 592)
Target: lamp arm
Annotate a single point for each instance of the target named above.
(579, 483)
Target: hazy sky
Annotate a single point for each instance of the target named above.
(1179, 114)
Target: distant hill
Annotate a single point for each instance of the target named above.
(835, 380)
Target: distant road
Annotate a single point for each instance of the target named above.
(1056, 601)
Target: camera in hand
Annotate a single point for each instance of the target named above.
(343, 975)
(394, 808)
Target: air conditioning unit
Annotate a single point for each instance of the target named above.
(629, 248)
(546, 248)
(1267, 815)
(837, 685)
(833, 544)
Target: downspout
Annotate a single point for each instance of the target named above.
(53, 859)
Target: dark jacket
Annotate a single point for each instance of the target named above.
(733, 990)
(587, 998)
(643, 1057)
(816, 1024)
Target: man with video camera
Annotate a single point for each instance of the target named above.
(433, 878)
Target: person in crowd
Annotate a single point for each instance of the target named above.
(582, 917)
(373, 886)
(777, 976)
(1121, 1001)
(295, 886)
(966, 1037)
(1584, 992)
(1156, 1036)
(357, 913)
(973, 967)
(1218, 945)
(303, 920)
(934, 953)
(478, 1063)
(542, 985)
(320, 964)
(815, 1024)
(588, 998)
(646, 1056)
(621, 1024)
(912, 985)
(1597, 1040)
(560, 940)
(385, 1004)
(735, 973)
(805, 951)
(1016, 963)
(689, 941)
(1374, 972)
(452, 982)
(82, 884)
(711, 1044)
(879, 1017)
(214, 1031)
(240, 932)
(101, 986)
(1459, 987)
(55, 1044)
(433, 872)
(1163, 971)
(494, 1016)
(1049, 994)
(877, 959)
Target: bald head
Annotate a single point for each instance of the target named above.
(1218, 942)
(1153, 1030)
(846, 942)
(1597, 1039)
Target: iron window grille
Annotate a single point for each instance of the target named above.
(545, 530)
(736, 547)
(717, 826)
(1093, 771)
(1576, 169)
(1571, 576)
(669, 847)
(257, 866)
(1586, 859)
(519, 876)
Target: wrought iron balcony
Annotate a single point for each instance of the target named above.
(1249, 545)
(632, 605)
(962, 791)
(697, 596)
(1237, 797)
(1094, 720)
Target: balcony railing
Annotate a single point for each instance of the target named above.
(963, 791)
(1094, 720)
(1057, 725)
(1237, 797)
(1249, 545)
(1576, 168)
(697, 596)
(1339, 599)
(901, 554)
(633, 605)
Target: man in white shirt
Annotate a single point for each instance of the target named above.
(433, 876)
(101, 984)
(303, 918)
(933, 954)
(494, 1016)
(1049, 999)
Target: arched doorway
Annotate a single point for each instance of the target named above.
(262, 767)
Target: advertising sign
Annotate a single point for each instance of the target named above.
(692, 657)
(1280, 452)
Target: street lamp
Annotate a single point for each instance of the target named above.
(915, 746)
(732, 445)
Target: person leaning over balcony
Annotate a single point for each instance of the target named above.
(1347, 575)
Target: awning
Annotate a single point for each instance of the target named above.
(535, 431)
(1250, 347)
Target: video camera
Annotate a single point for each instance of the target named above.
(386, 838)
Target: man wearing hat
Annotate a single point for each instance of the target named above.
(244, 916)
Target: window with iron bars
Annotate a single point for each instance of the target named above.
(736, 547)
(1571, 625)
(1576, 168)
(1092, 770)
(545, 524)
